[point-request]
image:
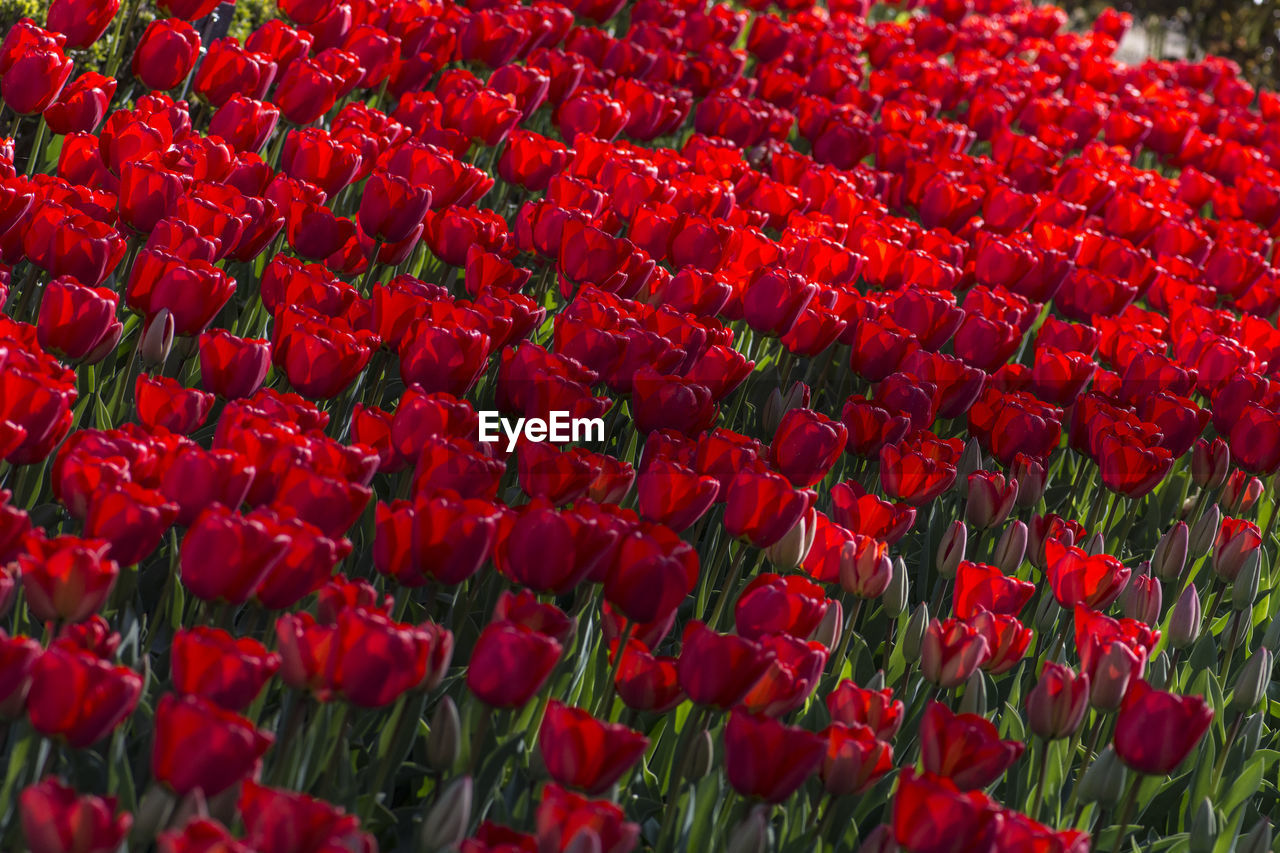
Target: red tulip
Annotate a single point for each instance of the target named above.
(563, 816)
(166, 53)
(66, 579)
(762, 507)
(79, 697)
(229, 672)
(582, 752)
(806, 445)
(1057, 704)
(717, 669)
(280, 821)
(767, 760)
(225, 555)
(510, 663)
(1156, 731)
(930, 815)
(856, 759)
(983, 587)
(1077, 578)
(951, 652)
(646, 682)
(200, 745)
(55, 819)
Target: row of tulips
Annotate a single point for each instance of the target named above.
(935, 354)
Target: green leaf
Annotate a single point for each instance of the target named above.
(705, 796)
(1245, 785)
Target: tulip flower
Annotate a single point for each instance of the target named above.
(1057, 704)
(951, 651)
(964, 748)
(581, 752)
(768, 760)
(79, 697)
(200, 745)
(56, 819)
(1156, 731)
(510, 663)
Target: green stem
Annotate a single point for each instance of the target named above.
(1040, 782)
(1126, 811)
(730, 586)
(605, 708)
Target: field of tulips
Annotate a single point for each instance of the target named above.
(934, 362)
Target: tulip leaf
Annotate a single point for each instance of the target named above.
(1011, 725)
(705, 796)
(1246, 784)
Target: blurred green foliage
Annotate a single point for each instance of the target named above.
(12, 11)
(249, 15)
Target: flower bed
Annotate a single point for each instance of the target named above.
(606, 426)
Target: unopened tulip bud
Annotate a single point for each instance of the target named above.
(1170, 556)
(879, 840)
(876, 682)
(1203, 532)
(446, 823)
(1251, 683)
(1204, 828)
(1057, 704)
(970, 462)
(1046, 614)
(585, 840)
(830, 628)
(974, 700)
(157, 340)
(751, 835)
(778, 404)
(1095, 544)
(1032, 478)
(1210, 462)
(153, 813)
(445, 737)
(1271, 639)
(1184, 622)
(1011, 548)
(1251, 734)
(1236, 541)
(913, 635)
(990, 499)
(1142, 598)
(899, 589)
(1104, 781)
(1244, 591)
(790, 551)
(1258, 840)
(700, 760)
(951, 549)
(1158, 670)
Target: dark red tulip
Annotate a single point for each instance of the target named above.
(66, 578)
(166, 53)
(82, 105)
(200, 745)
(510, 663)
(34, 79)
(982, 587)
(855, 759)
(582, 752)
(952, 650)
(806, 445)
(244, 124)
(131, 519)
(1156, 731)
(647, 682)
(231, 569)
(563, 816)
(762, 507)
(964, 748)
(1056, 706)
(75, 321)
(163, 402)
(931, 815)
(1077, 578)
(773, 604)
(279, 821)
(55, 819)
(767, 760)
(79, 697)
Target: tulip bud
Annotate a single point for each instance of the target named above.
(1240, 493)
(1203, 532)
(1236, 543)
(153, 813)
(1046, 614)
(700, 760)
(1104, 781)
(751, 835)
(445, 737)
(1271, 639)
(899, 589)
(1210, 462)
(585, 840)
(1158, 670)
(1170, 556)
(1258, 840)
(1095, 544)
(990, 499)
(1142, 598)
(446, 823)
(830, 628)
(157, 340)
(880, 840)
(1244, 591)
(1115, 672)
(1184, 622)
(951, 549)
(1032, 478)
(1251, 683)
(876, 682)
(1204, 828)
(913, 635)
(789, 551)
(970, 463)
(974, 700)
(1251, 734)
(1011, 548)
(778, 404)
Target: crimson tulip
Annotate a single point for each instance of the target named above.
(767, 760)
(1156, 731)
(199, 745)
(55, 819)
(582, 752)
